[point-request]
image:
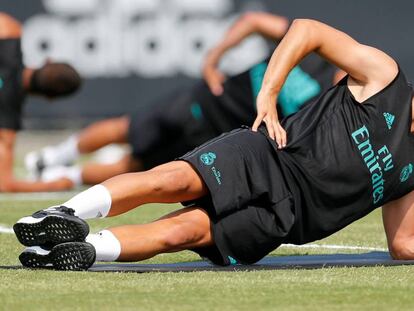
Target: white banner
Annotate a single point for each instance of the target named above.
(146, 38)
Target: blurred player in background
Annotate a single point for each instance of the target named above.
(185, 120)
(16, 81)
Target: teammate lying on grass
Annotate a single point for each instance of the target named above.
(185, 120)
(248, 191)
(16, 81)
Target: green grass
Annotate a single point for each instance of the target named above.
(376, 288)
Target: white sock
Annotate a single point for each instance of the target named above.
(64, 153)
(74, 173)
(107, 246)
(94, 202)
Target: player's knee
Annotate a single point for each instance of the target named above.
(124, 165)
(123, 124)
(179, 236)
(175, 240)
(119, 128)
(11, 28)
(402, 250)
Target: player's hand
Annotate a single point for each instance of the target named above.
(212, 75)
(267, 113)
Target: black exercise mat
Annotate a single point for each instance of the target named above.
(267, 263)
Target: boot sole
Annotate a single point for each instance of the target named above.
(72, 256)
(52, 230)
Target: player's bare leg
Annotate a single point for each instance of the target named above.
(183, 229)
(57, 235)
(95, 173)
(103, 133)
(92, 138)
(168, 183)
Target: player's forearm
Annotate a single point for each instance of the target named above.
(241, 29)
(267, 25)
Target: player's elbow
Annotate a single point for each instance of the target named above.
(402, 250)
(250, 19)
(269, 25)
(303, 23)
(305, 29)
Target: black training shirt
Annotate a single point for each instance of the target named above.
(237, 104)
(12, 94)
(345, 158)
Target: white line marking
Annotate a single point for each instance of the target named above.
(341, 247)
(4, 229)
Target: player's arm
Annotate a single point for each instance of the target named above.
(7, 181)
(398, 218)
(268, 25)
(9, 27)
(370, 69)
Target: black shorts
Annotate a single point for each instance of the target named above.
(250, 206)
(169, 129)
(12, 94)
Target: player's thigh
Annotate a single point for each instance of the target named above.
(180, 175)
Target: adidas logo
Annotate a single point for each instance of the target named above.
(389, 118)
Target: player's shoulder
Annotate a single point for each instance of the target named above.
(376, 71)
(379, 67)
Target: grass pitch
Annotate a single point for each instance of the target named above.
(375, 288)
